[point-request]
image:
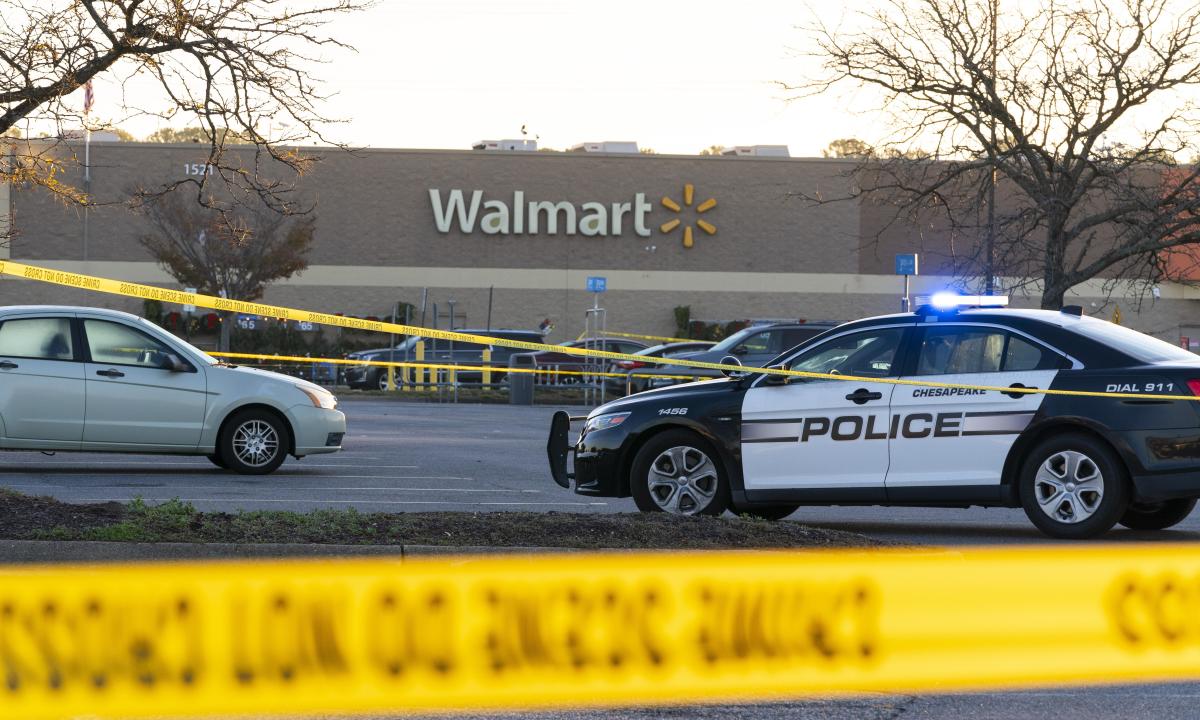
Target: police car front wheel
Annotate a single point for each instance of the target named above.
(1073, 486)
(678, 472)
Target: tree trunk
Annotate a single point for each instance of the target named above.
(1052, 297)
(1054, 281)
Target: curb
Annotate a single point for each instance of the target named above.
(81, 551)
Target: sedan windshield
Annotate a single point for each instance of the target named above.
(156, 331)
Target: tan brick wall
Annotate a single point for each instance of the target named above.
(373, 207)
(373, 210)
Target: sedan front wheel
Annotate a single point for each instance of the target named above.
(254, 442)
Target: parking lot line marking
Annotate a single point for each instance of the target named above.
(290, 475)
(366, 502)
(226, 487)
(205, 465)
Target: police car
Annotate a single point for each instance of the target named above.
(766, 444)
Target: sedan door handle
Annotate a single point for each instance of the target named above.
(110, 373)
(862, 395)
(7, 364)
(1019, 395)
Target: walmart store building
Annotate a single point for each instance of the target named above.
(731, 237)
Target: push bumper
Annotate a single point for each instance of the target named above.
(558, 447)
(594, 459)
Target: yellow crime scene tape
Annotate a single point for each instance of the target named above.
(354, 636)
(498, 369)
(150, 292)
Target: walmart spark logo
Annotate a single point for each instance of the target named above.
(689, 192)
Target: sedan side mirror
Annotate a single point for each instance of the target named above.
(174, 363)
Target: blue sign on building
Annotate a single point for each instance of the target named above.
(597, 284)
(906, 264)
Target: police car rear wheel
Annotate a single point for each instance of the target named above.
(676, 473)
(1073, 487)
(1159, 515)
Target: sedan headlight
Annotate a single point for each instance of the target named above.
(603, 422)
(320, 398)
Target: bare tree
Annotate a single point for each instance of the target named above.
(234, 255)
(231, 66)
(1055, 129)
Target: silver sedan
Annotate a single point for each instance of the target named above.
(88, 379)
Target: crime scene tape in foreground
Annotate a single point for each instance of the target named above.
(487, 634)
(150, 292)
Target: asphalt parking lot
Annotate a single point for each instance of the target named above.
(405, 456)
(397, 457)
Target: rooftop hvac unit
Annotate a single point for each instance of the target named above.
(757, 151)
(512, 145)
(608, 146)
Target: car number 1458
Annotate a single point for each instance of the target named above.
(673, 411)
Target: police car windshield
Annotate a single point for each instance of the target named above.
(1139, 346)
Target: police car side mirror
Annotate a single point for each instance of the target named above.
(739, 350)
(733, 363)
(778, 379)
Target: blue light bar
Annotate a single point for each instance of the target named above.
(949, 301)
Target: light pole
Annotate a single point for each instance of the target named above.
(990, 267)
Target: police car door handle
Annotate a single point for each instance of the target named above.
(1019, 395)
(862, 395)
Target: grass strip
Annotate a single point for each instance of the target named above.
(26, 517)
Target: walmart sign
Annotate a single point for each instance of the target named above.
(521, 217)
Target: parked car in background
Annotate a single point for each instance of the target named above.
(550, 359)
(619, 385)
(374, 377)
(752, 346)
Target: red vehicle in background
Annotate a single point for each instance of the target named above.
(622, 385)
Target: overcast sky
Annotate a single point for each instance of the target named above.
(673, 75)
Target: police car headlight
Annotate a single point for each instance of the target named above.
(603, 422)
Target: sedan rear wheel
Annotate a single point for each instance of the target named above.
(677, 472)
(254, 442)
